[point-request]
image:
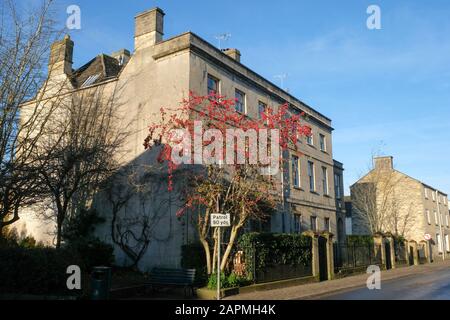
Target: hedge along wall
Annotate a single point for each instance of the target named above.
(272, 257)
(359, 240)
(36, 271)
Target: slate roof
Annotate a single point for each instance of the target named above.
(99, 69)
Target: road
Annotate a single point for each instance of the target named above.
(425, 286)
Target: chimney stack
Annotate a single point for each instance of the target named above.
(149, 28)
(122, 56)
(233, 53)
(61, 56)
(383, 163)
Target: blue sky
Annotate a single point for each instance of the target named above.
(387, 91)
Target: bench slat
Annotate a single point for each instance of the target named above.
(166, 276)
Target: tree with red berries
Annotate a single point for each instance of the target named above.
(234, 162)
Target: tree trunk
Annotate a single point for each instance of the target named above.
(214, 255)
(207, 255)
(233, 235)
(58, 235)
(1, 233)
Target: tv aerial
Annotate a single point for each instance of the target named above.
(222, 37)
(282, 79)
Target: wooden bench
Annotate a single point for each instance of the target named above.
(165, 277)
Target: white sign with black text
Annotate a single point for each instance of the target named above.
(220, 220)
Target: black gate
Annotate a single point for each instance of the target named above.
(387, 249)
(411, 255)
(400, 253)
(323, 263)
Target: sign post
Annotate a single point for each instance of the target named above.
(219, 221)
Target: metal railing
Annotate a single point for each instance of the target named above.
(350, 256)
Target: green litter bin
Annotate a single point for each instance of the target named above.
(100, 283)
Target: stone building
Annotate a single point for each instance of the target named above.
(161, 72)
(388, 200)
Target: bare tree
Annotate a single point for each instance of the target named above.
(25, 40)
(78, 152)
(139, 200)
(379, 203)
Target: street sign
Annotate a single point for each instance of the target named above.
(220, 220)
(427, 237)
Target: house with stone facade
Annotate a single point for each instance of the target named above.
(387, 200)
(161, 72)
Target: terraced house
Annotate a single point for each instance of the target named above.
(391, 201)
(161, 72)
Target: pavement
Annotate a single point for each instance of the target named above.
(428, 281)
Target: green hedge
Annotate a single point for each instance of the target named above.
(359, 240)
(270, 249)
(35, 271)
(93, 253)
(42, 271)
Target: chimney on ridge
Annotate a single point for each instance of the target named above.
(122, 56)
(233, 53)
(61, 56)
(383, 163)
(149, 28)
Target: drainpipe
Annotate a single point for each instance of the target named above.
(441, 244)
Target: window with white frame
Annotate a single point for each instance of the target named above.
(447, 242)
(337, 185)
(213, 85)
(297, 223)
(436, 222)
(312, 182)
(240, 101)
(310, 139)
(428, 216)
(426, 193)
(325, 180)
(326, 224)
(262, 109)
(439, 242)
(433, 195)
(296, 171)
(322, 142)
(446, 220)
(314, 223)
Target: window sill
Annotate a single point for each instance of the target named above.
(314, 192)
(298, 188)
(327, 196)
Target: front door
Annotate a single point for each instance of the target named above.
(323, 261)
(411, 256)
(387, 247)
